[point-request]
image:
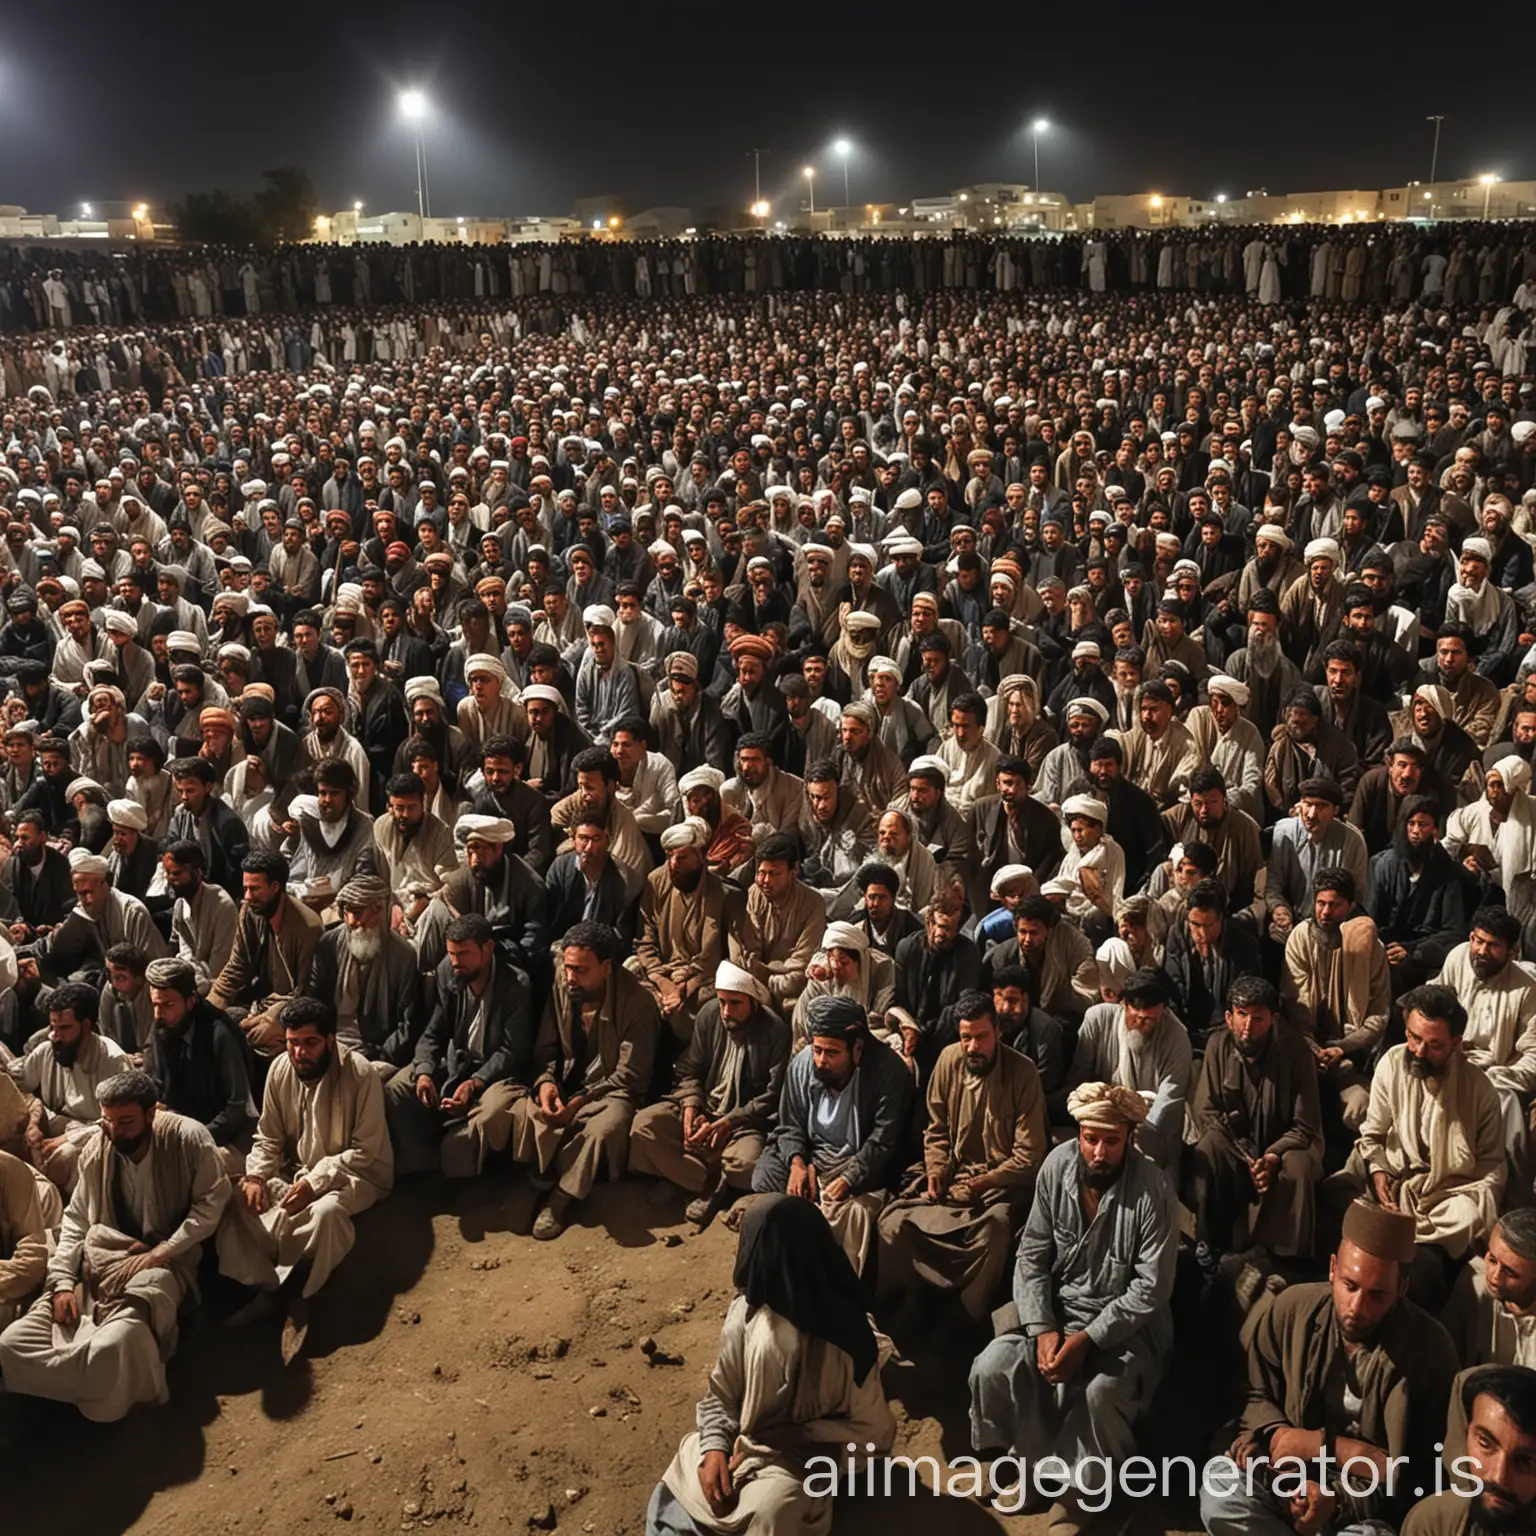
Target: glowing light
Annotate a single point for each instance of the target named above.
(357, 207)
(843, 148)
(965, 197)
(1039, 125)
(613, 223)
(1155, 201)
(597, 223)
(141, 210)
(1487, 179)
(85, 210)
(1221, 197)
(760, 210)
(809, 172)
(413, 104)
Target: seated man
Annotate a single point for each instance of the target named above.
(493, 883)
(1205, 953)
(320, 1157)
(62, 1073)
(1091, 1288)
(934, 969)
(1315, 839)
(846, 965)
(783, 923)
(1064, 976)
(592, 1069)
(707, 1135)
(1491, 1316)
(1500, 998)
(23, 1236)
(1431, 1144)
(1029, 1030)
(1420, 899)
(37, 876)
(1348, 1367)
(204, 918)
(103, 917)
(150, 1194)
(1495, 1408)
(333, 838)
(273, 952)
(1140, 1043)
(1251, 1175)
(799, 1316)
(952, 1227)
(453, 1104)
(585, 884)
(597, 778)
(837, 836)
(370, 976)
(1337, 991)
(684, 914)
(198, 1061)
(845, 1106)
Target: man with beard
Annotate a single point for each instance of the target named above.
(1262, 665)
(203, 916)
(102, 917)
(1312, 607)
(1015, 827)
(592, 1062)
(273, 951)
(1065, 764)
(424, 704)
(1521, 741)
(597, 775)
(811, 736)
(37, 876)
(1432, 1141)
(1386, 661)
(951, 1227)
(684, 914)
(707, 1135)
(1091, 1289)
(939, 825)
(768, 797)
(1230, 743)
(877, 915)
(1273, 568)
(1251, 1174)
(1206, 951)
(1376, 811)
(151, 1193)
(370, 973)
(1028, 1030)
(1491, 1316)
(1336, 988)
(1500, 998)
(453, 1104)
(1304, 746)
(1160, 754)
(332, 839)
(1314, 839)
(503, 791)
(267, 737)
(198, 1061)
(688, 634)
(845, 1106)
(686, 722)
(320, 1157)
(837, 835)
(413, 850)
(1086, 680)
(875, 773)
(1360, 720)
(1420, 899)
(1142, 1045)
(61, 1073)
(1496, 1408)
(1349, 1369)
(495, 884)
(933, 970)
(752, 704)
(327, 738)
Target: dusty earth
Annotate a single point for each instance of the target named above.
(459, 1374)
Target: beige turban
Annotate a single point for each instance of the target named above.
(1106, 1104)
(731, 978)
(127, 813)
(690, 832)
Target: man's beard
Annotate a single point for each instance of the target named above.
(1421, 1067)
(1485, 967)
(687, 880)
(126, 1146)
(1417, 854)
(265, 908)
(1266, 566)
(66, 1052)
(327, 733)
(487, 874)
(979, 1066)
(312, 1071)
(1515, 1517)
(1100, 1178)
(409, 829)
(828, 1078)
(1250, 1048)
(364, 944)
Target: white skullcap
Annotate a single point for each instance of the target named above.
(83, 862)
(660, 548)
(1085, 805)
(1274, 533)
(599, 616)
(845, 936)
(482, 663)
(702, 777)
(690, 832)
(825, 550)
(1375, 403)
(182, 640)
(1010, 874)
(909, 499)
(1323, 549)
(1515, 772)
(537, 691)
(929, 762)
(1116, 962)
(1478, 548)
(119, 623)
(883, 664)
(485, 829)
(731, 978)
(422, 688)
(127, 813)
(1087, 706)
(1086, 650)
(1333, 420)
(1219, 682)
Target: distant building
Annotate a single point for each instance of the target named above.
(1460, 200)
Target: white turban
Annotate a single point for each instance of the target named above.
(1323, 549)
(485, 665)
(1085, 805)
(1011, 874)
(883, 664)
(731, 978)
(599, 616)
(1515, 772)
(1087, 706)
(422, 688)
(485, 829)
(127, 813)
(550, 695)
(1219, 682)
(1086, 650)
(1273, 533)
(691, 832)
(845, 936)
(703, 777)
(1106, 1104)
(1480, 548)
(182, 640)
(1438, 698)
(83, 862)
(929, 762)
(119, 623)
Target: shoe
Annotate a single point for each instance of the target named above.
(551, 1222)
(258, 1309)
(705, 1208)
(295, 1329)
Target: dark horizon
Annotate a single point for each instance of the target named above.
(530, 115)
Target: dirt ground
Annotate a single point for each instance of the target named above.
(458, 1373)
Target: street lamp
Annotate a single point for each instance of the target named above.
(1487, 179)
(85, 210)
(810, 181)
(760, 209)
(357, 207)
(1036, 128)
(844, 148)
(413, 107)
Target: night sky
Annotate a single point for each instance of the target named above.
(534, 107)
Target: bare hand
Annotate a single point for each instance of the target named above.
(802, 1181)
(837, 1190)
(1396, 954)
(1045, 1353)
(300, 1197)
(1262, 1170)
(66, 1308)
(426, 1091)
(715, 1481)
(550, 1105)
(255, 1193)
(1070, 1358)
(691, 1119)
(1312, 1511)
(935, 1189)
(137, 1263)
(462, 1096)
(1381, 1183)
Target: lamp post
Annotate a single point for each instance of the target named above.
(810, 183)
(413, 107)
(1036, 128)
(1434, 154)
(844, 148)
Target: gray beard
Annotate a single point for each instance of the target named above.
(1263, 658)
(364, 944)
